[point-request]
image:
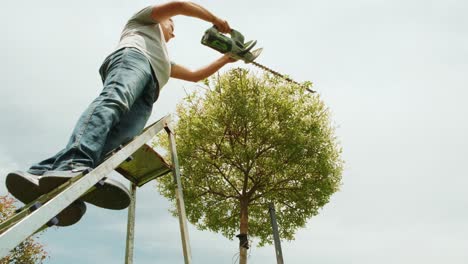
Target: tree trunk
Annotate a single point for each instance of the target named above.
(244, 228)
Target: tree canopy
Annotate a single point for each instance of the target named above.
(248, 141)
(29, 251)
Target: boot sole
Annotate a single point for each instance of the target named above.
(24, 188)
(110, 195)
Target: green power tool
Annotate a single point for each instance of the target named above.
(234, 46)
(238, 49)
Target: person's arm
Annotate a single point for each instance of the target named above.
(174, 8)
(183, 73)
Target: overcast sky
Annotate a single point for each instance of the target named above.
(393, 73)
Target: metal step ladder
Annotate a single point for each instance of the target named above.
(136, 161)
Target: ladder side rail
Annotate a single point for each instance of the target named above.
(179, 199)
(131, 225)
(33, 222)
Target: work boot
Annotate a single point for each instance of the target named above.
(24, 186)
(109, 194)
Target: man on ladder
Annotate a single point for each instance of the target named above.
(133, 75)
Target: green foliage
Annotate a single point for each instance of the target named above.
(29, 251)
(257, 140)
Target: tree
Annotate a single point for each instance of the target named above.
(249, 141)
(29, 251)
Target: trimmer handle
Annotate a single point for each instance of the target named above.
(235, 35)
(234, 45)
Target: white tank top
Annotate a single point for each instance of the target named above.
(145, 34)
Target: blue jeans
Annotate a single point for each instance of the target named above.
(117, 115)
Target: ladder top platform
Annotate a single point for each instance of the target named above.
(145, 166)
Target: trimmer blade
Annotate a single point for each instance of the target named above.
(263, 67)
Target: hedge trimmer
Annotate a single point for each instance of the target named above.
(238, 49)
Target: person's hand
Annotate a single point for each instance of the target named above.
(228, 58)
(222, 25)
